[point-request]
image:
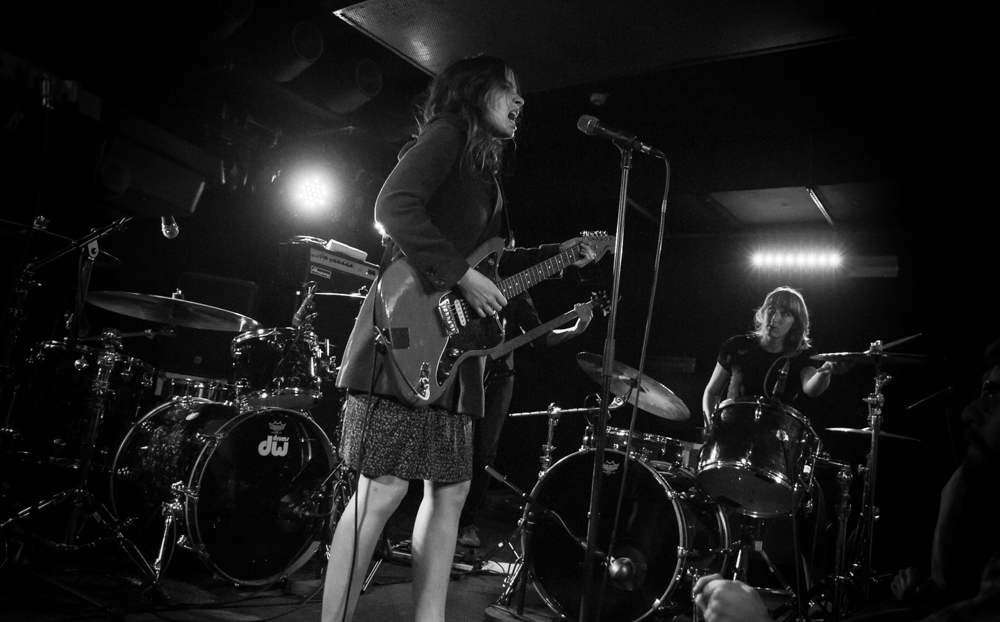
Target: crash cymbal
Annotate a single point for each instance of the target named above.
(653, 397)
(172, 311)
(872, 358)
(103, 260)
(868, 432)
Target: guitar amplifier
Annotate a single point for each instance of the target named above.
(332, 272)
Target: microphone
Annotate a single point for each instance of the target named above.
(302, 314)
(779, 386)
(169, 227)
(299, 511)
(592, 127)
(621, 569)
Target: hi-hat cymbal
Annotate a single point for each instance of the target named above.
(868, 432)
(103, 260)
(653, 397)
(172, 311)
(872, 358)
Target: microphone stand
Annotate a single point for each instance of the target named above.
(588, 612)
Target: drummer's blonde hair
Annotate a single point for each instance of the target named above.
(786, 299)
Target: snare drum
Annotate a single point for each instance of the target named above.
(277, 367)
(244, 484)
(662, 452)
(755, 456)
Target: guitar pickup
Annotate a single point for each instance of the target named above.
(451, 314)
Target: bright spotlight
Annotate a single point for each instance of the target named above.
(311, 192)
(804, 259)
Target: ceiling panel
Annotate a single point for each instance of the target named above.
(561, 43)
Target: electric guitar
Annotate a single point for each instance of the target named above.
(427, 334)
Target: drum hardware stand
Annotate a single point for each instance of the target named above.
(863, 536)
(83, 502)
(26, 281)
(554, 412)
(844, 478)
(516, 579)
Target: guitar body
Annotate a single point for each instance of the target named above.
(431, 332)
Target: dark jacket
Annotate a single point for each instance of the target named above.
(436, 209)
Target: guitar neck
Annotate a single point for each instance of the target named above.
(520, 282)
(511, 345)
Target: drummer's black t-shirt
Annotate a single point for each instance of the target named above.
(748, 365)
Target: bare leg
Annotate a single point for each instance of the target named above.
(434, 535)
(379, 498)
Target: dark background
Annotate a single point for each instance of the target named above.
(871, 107)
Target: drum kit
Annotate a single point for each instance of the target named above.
(240, 474)
(672, 510)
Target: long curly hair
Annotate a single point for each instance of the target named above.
(790, 300)
(463, 88)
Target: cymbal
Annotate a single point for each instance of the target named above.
(103, 260)
(653, 397)
(872, 358)
(868, 432)
(172, 311)
(355, 295)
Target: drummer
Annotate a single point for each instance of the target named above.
(774, 360)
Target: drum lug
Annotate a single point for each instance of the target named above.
(180, 490)
(211, 440)
(685, 552)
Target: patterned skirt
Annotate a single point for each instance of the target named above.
(411, 443)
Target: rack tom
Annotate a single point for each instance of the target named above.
(756, 453)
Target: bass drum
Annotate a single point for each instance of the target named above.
(246, 485)
(667, 528)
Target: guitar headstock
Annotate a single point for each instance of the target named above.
(600, 301)
(600, 241)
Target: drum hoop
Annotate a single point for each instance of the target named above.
(788, 410)
(261, 333)
(672, 495)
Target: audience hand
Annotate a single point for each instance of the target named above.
(910, 585)
(722, 600)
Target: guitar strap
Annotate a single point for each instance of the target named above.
(497, 211)
(391, 248)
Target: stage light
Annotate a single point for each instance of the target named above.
(311, 192)
(806, 260)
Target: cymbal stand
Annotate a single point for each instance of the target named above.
(861, 568)
(26, 282)
(844, 478)
(83, 502)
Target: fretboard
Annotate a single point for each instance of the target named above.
(514, 285)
